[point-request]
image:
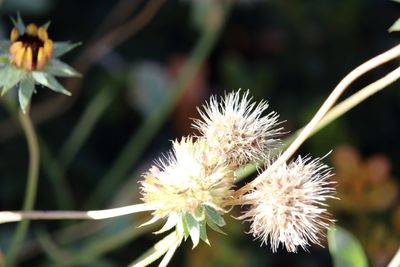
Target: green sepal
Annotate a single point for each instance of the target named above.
(215, 227)
(60, 48)
(181, 228)
(194, 229)
(395, 27)
(10, 77)
(49, 81)
(60, 69)
(203, 232)
(26, 88)
(19, 24)
(46, 25)
(214, 216)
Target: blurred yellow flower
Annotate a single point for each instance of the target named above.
(31, 49)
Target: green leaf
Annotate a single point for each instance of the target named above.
(46, 25)
(395, 27)
(50, 82)
(194, 229)
(203, 232)
(58, 68)
(159, 249)
(19, 24)
(60, 48)
(26, 88)
(345, 249)
(214, 216)
(11, 76)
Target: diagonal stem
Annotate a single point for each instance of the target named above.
(326, 106)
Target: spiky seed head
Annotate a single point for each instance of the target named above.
(186, 179)
(236, 129)
(289, 206)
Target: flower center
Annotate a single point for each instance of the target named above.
(32, 50)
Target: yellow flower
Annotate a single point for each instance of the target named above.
(32, 49)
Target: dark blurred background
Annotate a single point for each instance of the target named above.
(133, 52)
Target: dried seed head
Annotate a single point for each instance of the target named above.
(186, 179)
(236, 130)
(289, 207)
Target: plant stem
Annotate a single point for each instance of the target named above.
(30, 194)
(337, 111)
(14, 216)
(149, 128)
(326, 106)
(395, 262)
(357, 98)
(159, 249)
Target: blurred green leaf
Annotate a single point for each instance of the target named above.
(10, 76)
(26, 88)
(345, 249)
(203, 232)
(396, 26)
(58, 68)
(50, 82)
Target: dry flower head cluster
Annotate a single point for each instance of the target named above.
(192, 187)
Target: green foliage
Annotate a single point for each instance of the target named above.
(345, 249)
(49, 81)
(26, 88)
(10, 76)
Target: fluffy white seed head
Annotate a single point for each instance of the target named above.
(289, 207)
(235, 128)
(188, 177)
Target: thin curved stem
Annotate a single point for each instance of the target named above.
(337, 111)
(14, 216)
(357, 98)
(326, 106)
(30, 194)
